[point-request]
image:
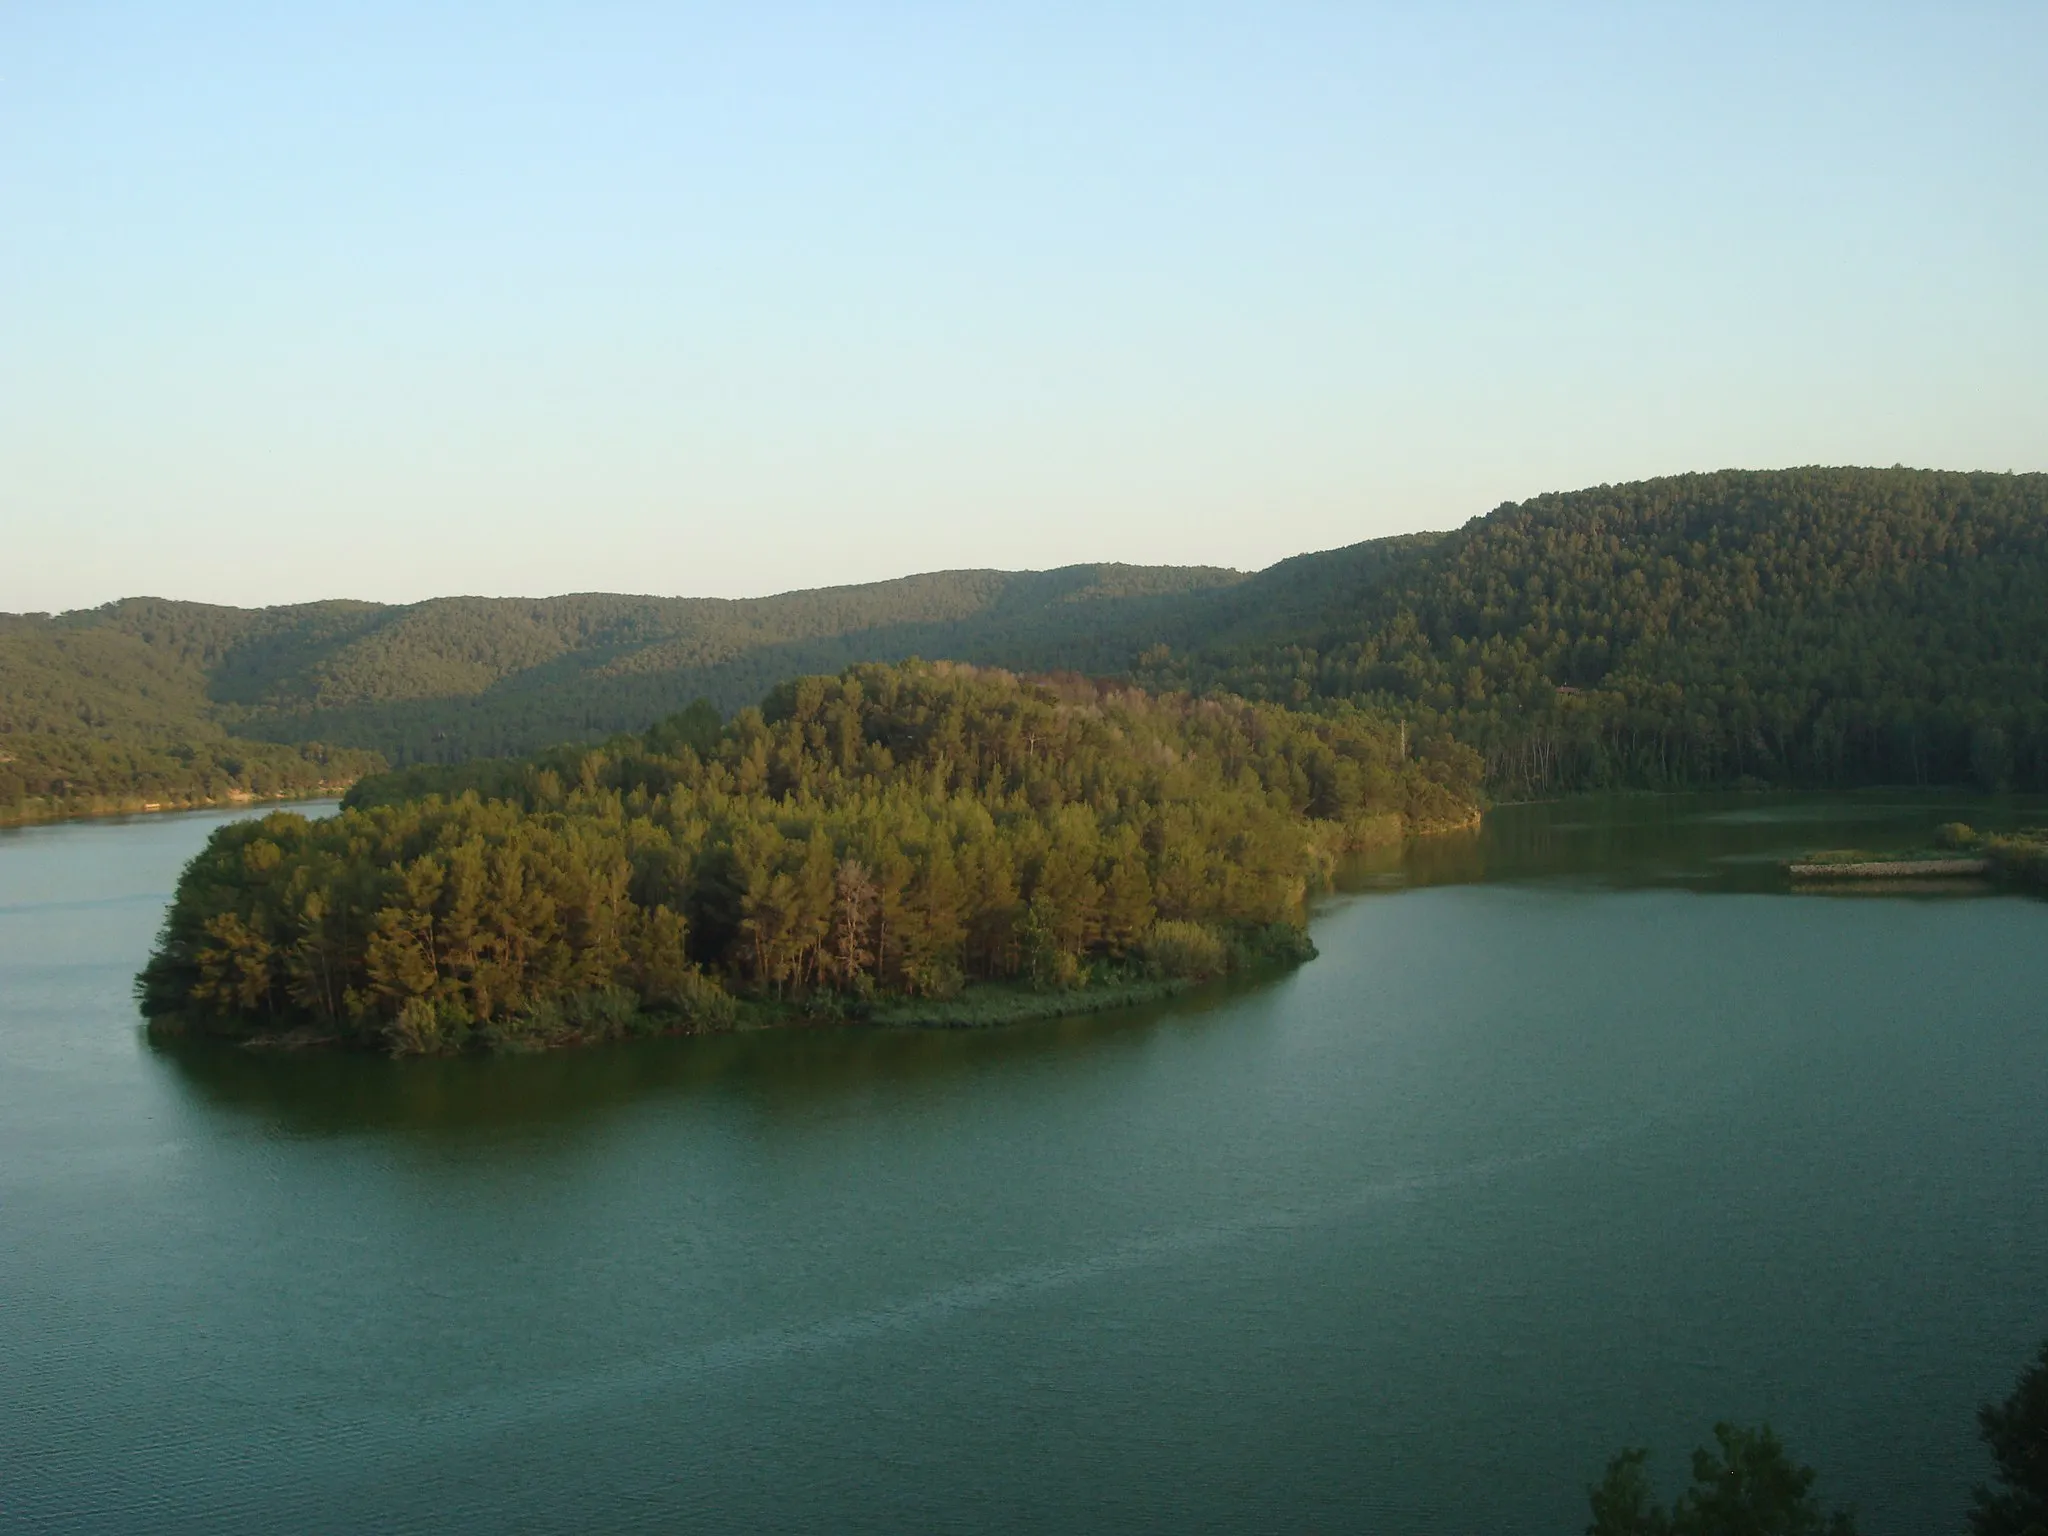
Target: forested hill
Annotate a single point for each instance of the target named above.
(1812, 626)
(149, 700)
(93, 719)
(1806, 627)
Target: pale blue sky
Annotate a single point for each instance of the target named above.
(390, 300)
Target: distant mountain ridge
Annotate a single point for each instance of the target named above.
(1813, 626)
(150, 698)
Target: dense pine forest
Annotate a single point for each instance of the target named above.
(1822, 627)
(885, 838)
(1817, 627)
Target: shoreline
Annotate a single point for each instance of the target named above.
(989, 1005)
(105, 807)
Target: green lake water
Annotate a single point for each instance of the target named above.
(1581, 1132)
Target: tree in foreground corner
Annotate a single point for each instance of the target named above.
(1748, 1486)
(2016, 1432)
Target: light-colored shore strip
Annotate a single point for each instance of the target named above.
(1888, 869)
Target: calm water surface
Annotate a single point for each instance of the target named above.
(1580, 1133)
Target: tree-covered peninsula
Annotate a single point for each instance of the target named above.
(896, 841)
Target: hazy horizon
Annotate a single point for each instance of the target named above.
(617, 298)
(913, 575)
(710, 597)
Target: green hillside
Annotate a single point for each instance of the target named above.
(1813, 626)
(148, 700)
(461, 677)
(100, 712)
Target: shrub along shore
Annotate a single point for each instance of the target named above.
(924, 843)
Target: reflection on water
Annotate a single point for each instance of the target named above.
(323, 1092)
(1712, 842)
